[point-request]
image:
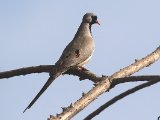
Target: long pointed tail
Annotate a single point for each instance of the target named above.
(46, 85)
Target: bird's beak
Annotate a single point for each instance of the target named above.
(97, 22)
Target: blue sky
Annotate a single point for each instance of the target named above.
(36, 32)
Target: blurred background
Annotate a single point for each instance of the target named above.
(35, 33)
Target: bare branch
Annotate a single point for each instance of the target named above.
(47, 69)
(84, 74)
(133, 79)
(27, 70)
(104, 85)
(74, 71)
(120, 96)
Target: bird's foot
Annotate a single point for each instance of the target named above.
(82, 68)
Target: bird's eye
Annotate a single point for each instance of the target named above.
(94, 17)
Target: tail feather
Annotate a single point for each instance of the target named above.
(46, 85)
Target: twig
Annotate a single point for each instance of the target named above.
(104, 86)
(74, 71)
(27, 70)
(102, 83)
(120, 96)
(133, 79)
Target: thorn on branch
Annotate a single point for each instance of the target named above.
(136, 60)
(63, 108)
(108, 90)
(57, 115)
(71, 105)
(52, 117)
(83, 94)
(103, 76)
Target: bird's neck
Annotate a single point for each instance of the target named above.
(85, 29)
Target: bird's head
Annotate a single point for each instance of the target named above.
(90, 18)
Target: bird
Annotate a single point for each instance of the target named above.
(76, 54)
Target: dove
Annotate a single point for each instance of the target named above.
(76, 54)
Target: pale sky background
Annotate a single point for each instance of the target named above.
(35, 32)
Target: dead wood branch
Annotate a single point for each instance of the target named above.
(120, 96)
(104, 86)
(74, 71)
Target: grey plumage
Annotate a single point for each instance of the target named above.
(76, 53)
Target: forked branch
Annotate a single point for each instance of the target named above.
(104, 86)
(121, 96)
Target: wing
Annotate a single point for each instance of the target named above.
(77, 51)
